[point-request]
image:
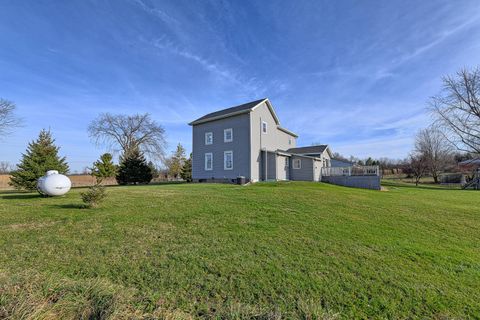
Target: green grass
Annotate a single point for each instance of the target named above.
(266, 251)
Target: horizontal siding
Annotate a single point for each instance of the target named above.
(240, 147)
(305, 173)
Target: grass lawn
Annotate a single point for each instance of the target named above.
(266, 251)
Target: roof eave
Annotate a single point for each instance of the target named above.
(219, 117)
(287, 131)
(198, 121)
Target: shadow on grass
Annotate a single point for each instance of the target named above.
(69, 206)
(17, 196)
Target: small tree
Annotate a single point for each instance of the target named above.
(153, 167)
(104, 168)
(101, 170)
(41, 156)
(134, 169)
(434, 149)
(417, 166)
(186, 173)
(5, 167)
(176, 161)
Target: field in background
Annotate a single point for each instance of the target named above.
(78, 180)
(265, 251)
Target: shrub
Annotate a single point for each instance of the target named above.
(134, 169)
(94, 196)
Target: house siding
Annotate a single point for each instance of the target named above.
(240, 147)
(271, 166)
(273, 140)
(305, 173)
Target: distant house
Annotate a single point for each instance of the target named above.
(248, 140)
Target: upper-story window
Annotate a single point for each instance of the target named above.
(297, 163)
(208, 137)
(264, 127)
(289, 141)
(228, 160)
(228, 135)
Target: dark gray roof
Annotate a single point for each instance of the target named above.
(309, 150)
(243, 107)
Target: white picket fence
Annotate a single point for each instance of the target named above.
(351, 171)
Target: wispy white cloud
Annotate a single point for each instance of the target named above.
(250, 85)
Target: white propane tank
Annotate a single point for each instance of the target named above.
(54, 184)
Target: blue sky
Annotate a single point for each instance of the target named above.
(353, 74)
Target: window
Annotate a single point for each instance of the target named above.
(208, 161)
(287, 162)
(264, 127)
(290, 141)
(228, 160)
(228, 135)
(208, 137)
(297, 163)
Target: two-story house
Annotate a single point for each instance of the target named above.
(248, 140)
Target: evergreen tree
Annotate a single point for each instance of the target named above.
(104, 168)
(134, 169)
(186, 173)
(176, 162)
(41, 156)
(153, 167)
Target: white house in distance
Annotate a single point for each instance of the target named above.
(248, 141)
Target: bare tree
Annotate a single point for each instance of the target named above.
(8, 120)
(5, 167)
(126, 133)
(417, 166)
(434, 149)
(457, 109)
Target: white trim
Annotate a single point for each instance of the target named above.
(270, 107)
(225, 160)
(297, 161)
(225, 135)
(211, 161)
(206, 140)
(266, 127)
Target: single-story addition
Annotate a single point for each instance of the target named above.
(248, 140)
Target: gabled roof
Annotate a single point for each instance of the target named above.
(309, 150)
(243, 108)
(240, 109)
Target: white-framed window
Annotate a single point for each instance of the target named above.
(289, 141)
(208, 161)
(297, 163)
(287, 162)
(228, 135)
(228, 160)
(208, 137)
(264, 127)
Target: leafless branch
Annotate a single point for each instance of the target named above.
(457, 109)
(8, 120)
(125, 133)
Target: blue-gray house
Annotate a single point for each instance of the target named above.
(248, 140)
